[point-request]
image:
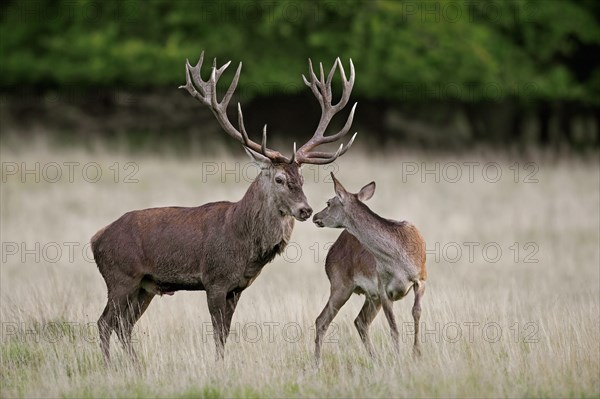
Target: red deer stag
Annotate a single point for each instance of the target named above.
(218, 247)
(380, 258)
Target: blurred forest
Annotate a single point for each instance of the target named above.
(440, 74)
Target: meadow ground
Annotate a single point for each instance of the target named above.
(511, 308)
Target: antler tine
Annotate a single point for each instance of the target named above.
(219, 71)
(241, 125)
(347, 146)
(200, 60)
(347, 87)
(325, 88)
(232, 87)
(263, 146)
(322, 154)
(195, 72)
(212, 85)
(343, 131)
(322, 80)
(330, 77)
(193, 80)
(206, 93)
(321, 88)
(293, 159)
(325, 158)
(188, 80)
(313, 83)
(332, 71)
(313, 77)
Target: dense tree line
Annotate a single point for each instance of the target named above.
(541, 56)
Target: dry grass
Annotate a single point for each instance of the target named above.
(547, 312)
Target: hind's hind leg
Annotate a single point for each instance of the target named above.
(419, 289)
(364, 320)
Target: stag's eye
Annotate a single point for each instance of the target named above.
(278, 180)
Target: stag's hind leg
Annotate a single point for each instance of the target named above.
(363, 321)
(419, 288)
(125, 305)
(105, 327)
(111, 320)
(129, 311)
(338, 297)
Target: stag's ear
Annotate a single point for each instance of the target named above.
(366, 192)
(262, 161)
(340, 191)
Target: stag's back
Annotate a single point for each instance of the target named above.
(145, 241)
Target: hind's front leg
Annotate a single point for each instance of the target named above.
(338, 297)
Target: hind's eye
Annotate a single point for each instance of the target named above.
(278, 180)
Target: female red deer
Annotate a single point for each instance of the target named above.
(380, 258)
(219, 247)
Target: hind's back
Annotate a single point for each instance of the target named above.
(414, 244)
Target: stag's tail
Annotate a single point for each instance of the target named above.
(94, 243)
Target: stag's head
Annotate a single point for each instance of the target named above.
(283, 183)
(280, 175)
(340, 208)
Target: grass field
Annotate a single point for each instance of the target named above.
(511, 308)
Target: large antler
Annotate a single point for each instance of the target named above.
(206, 93)
(321, 88)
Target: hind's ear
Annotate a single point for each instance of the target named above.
(340, 191)
(366, 192)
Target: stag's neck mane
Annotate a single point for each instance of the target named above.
(257, 218)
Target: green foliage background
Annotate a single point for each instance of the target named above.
(528, 48)
(538, 54)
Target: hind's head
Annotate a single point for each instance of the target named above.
(340, 208)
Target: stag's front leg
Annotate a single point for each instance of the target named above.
(217, 306)
(230, 305)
